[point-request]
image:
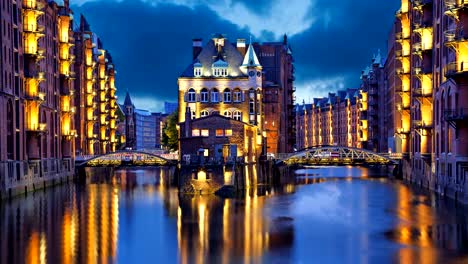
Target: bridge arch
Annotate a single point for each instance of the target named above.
(130, 158)
(335, 155)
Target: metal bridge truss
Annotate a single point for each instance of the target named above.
(335, 156)
(131, 158)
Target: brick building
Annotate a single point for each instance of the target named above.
(333, 120)
(431, 130)
(224, 78)
(220, 137)
(39, 99)
(278, 95)
(95, 95)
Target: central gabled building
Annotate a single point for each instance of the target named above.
(224, 78)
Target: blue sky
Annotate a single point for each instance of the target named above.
(150, 40)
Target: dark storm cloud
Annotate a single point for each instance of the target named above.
(151, 44)
(344, 38)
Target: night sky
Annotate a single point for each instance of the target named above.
(151, 40)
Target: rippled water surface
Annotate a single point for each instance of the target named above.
(319, 215)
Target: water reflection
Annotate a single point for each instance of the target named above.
(137, 216)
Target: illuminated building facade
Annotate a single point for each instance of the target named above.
(278, 95)
(224, 78)
(41, 88)
(95, 76)
(333, 120)
(372, 99)
(430, 125)
(36, 118)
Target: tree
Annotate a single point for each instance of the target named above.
(170, 138)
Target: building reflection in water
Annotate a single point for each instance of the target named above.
(419, 226)
(80, 224)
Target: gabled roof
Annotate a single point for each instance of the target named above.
(209, 55)
(250, 59)
(220, 64)
(128, 100)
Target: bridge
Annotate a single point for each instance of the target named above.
(334, 155)
(124, 158)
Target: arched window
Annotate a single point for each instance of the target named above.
(237, 95)
(193, 116)
(214, 95)
(237, 115)
(204, 95)
(227, 114)
(191, 95)
(204, 113)
(10, 131)
(227, 95)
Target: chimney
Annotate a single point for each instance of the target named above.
(241, 46)
(197, 47)
(188, 122)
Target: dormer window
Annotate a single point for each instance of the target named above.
(220, 68)
(220, 72)
(197, 72)
(197, 69)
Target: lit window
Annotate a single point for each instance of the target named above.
(191, 95)
(227, 114)
(237, 115)
(214, 96)
(228, 132)
(227, 95)
(204, 113)
(205, 132)
(197, 71)
(237, 95)
(195, 132)
(204, 95)
(219, 132)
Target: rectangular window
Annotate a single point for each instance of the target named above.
(219, 132)
(205, 132)
(195, 132)
(228, 132)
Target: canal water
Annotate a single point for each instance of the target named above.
(316, 215)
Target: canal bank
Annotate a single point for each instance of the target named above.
(18, 178)
(444, 185)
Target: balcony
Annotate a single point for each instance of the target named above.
(460, 114)
(71, 110)
(93, 137)
(452, 7)
(401, 71)
(455, 69)
(454, 36)
(418, 4)
(37, 128)
(33, 28)
(71, 134)
(38, 97)
(402, 107)
(420, 124)
(420, 92)
(92, 118)
(34, 5)
(399, 37)
(402, 131)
